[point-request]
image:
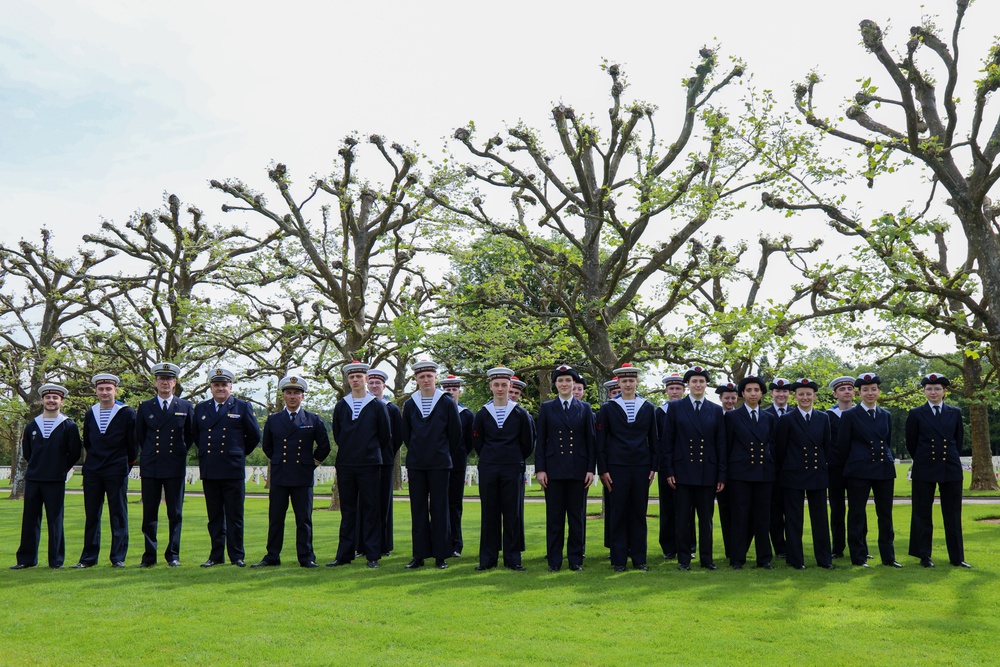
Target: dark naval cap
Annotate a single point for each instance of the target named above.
(752, 379)
(934, 378)
(867, 378)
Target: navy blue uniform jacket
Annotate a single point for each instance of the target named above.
(509, 445)
(225, 438)
(49, 459)
(863, 444)
(430, 441)
(361, 441)
(622, 444)
(164, 438)
(801, 450)
(935, 443)
(112, 453)
(750, 455)
(566, 442)
(693, 447)
(395, 434)
(293, 446)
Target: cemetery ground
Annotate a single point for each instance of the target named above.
(352, 615)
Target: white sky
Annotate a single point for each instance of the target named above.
(106, 104)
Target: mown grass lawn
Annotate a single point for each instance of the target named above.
(352, 615)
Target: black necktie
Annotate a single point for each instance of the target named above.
(781, 411)
(872, 412)
(216, 407)
(565, 405)
(808, 415)
(937, 410)
(697, 406)
(291, 416)
(753, 416)
(164, 405)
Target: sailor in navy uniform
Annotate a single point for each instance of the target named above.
(779, 407)
(934, 438)
(843, 391)
(675, 388)
(226, 431)
(109, 439)
(51, 446)
(517, 387)
(626, 461)
(296, 442)
(864, 440)
(431, 431)
(502, 436)
(459, 458)
(728, 396)
(750, 473)
(614, 391)
(694, 457)
(801, 445)
(376, 385)
(565, 457)
(361, 429)
(164, 432)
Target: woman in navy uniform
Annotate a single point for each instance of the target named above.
(51, 446)
(934, 438)
(694, 458)
(164, 432)
(226, 431)
(502, 436)
(296, 442)
(460, 461)
(843, 390)
(750, 473)
(675, 388)
(109, 439)
(801, 446)
(565, 457)
(863, 441)
(626, 461)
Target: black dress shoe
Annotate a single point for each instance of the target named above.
(386, 554)
(19, 566)
(56, 567)
(892, 563)
(145, 565)
(516, 568)
(962, 564)
(670, 555)
(780, 554)
(309, 564)
(798, 567)
(441, 563)
(870, 557)
(860, 564)
(455, 554)
(926, 562)
(82, 566)
(619, 568)
(838, 555)
(338, 563)
(372, 564)
(829, 566)
(239, 563)
(483, 568)
(683, 566)
(737, 566)
(414, 564)
(708, 566)
(765, 566)
(575, 567)
(174, 563)
(118, 564)
(642, 567)
(265, 563)
(553, 569)
(210, 563)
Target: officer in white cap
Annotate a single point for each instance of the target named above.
(51, 446)
(226, 431)
(296, 442)
(109, 439)
(164, 430)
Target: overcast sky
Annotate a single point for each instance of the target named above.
(106, 104)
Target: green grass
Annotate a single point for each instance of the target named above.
(291, 616)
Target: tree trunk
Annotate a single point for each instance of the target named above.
(397, 472)
(18, 469)
(983, 475)
(334, 495)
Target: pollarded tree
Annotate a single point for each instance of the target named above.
(621, 204)
(917, 129)
(43, 297)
